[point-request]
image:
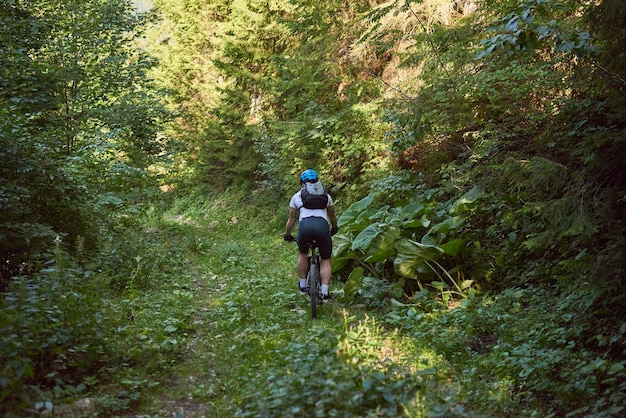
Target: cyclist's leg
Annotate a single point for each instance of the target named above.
(325, 246)
(315, 228)
(305, 236)
(325, 271)
(303, 264)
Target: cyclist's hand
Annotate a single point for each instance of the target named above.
(289, 238)
(334, 230)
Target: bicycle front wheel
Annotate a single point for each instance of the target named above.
(313, 285)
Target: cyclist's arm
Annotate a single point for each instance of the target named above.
(331, 216)
(291, 221)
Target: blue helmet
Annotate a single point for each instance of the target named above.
(308, 176)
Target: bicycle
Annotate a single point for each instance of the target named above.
(313, 280)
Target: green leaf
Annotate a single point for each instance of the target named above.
(367, 385)
(416, 223)
(341, 261)
(440, 286)
(364, 218)
(351, 214)
(430, 240)
(468, 200)
(446, 226)
(354, 283)
(512, 23)
(365, 238)
(411, 211)
(341, 251)
(425, 272)
(617, 367)
(380, 214)
(453, 246)
(411, 255)
(341, 244)
(386, 248)
(466, 284)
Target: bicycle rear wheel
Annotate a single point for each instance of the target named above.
(313, 288)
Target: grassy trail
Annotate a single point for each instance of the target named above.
(208, 322)
(252, 348)
(197, 315)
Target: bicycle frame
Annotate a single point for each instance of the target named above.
(314, 278)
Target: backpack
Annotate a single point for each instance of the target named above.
(314, 196)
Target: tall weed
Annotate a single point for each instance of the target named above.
(54, 332)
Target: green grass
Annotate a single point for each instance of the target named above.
(198, 314)
(250, 347)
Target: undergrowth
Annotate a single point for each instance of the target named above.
(523, 352)
(196, 313)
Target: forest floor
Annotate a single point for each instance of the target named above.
(251, 348)
(205, 320)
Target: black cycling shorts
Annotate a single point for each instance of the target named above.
(315, 229)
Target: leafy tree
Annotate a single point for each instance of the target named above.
(78, 115)
(31, 171)
(281, 99)
(187, 40)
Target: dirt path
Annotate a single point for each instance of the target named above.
(253, 349)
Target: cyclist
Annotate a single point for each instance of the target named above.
(313, 224)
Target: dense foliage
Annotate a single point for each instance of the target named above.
(78, 121)
(475, 151)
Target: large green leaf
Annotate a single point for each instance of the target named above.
(365, 237)
(430, 240)
(342, 254)
(352, 213)
(450, 224)
(363, 219)
(381, 214)
(355, 280)
(453, 246)
(386, 247)
(468, 200)
(421, 222)
(412, 211)
(341, 243)
(411, 255)
(425, 272)
(343, 260)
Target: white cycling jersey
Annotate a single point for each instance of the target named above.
(296, 203)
